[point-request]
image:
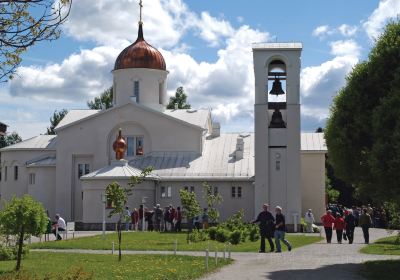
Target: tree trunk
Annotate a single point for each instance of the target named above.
(119, 239)
(20, 245)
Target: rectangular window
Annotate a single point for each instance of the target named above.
(278, 165)
(130, 143)
(5, 173)
(136, 91)
(186, 188)
(139, 146)
(87, 168)
(191, 188)
(80, 170)
(233, 192)
(169, 191)
(215, 191)
(239, 192)
(15, 173)
(163, 192)
(32, 178)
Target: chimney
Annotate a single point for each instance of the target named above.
(176, 106)
(239, 148)
(216, 129)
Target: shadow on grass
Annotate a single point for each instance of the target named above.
(329, 272)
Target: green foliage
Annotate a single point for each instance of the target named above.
(23, 24)
(363, 129)
(235, 237)
(222, 235)
(333, 194)
(9, 140)
(235, 222)
(212, 199)
(212, 232)
(254, 233)
(55, 120)
(190, 205)
(198, 236)
(393, 209)
(104, 101)
(6, 253)
(180, 99)
(23, 217)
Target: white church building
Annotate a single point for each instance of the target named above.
(277, 164)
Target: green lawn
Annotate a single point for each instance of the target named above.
(107, 266)
(384, 246)
(161, 242)
(381, 270)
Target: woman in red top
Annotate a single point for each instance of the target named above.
(339, 226)
(327, 222)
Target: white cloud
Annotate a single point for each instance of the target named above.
(387, 9)
(213, 29)
(79, 77)
(344, 48)
(321, 31)
(347, 30)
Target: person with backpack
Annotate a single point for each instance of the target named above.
(266, 224)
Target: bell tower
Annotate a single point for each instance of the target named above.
(277, 127)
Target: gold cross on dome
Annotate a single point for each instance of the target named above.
(140, 11)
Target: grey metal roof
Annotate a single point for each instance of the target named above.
(313, 142)
(117, 169)
(217, 162)
(37, 142)
(46, 161)
(75, 115)
(193, 116)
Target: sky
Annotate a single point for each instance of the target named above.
(207, 48)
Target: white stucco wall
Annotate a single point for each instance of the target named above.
(313, 183)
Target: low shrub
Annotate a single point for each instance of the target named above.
(235, 237)
(222, 235)
(198, 235)
(6, 253)
(254, 233)
(212, 232)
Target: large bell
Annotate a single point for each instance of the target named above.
(277, 120)
(277, 88)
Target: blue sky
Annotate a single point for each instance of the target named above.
(207, 48)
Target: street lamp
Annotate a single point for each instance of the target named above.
(143, 202)
(104, 201)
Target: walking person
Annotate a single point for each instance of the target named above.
(135, 219)
(327, 221)
(351, 223)
(280, 229)
(158, 214)
(339, 225)
(309, 219)
(178, 219)
(365, 223)
(265, 222)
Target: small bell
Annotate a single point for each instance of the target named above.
(277, 88)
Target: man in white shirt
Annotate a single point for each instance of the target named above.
(309, 219)
(60, 226)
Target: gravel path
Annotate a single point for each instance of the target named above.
(319, 261)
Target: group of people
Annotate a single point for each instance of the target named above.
(344, 224)
(157, 219)
(272, 227)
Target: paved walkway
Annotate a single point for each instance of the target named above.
(319, 261)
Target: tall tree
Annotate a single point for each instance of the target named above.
(179, 99)
(23, 217)
(105, 100)
(55, 120)
(363, 129)
(10, 139)
(23, 23)
(117, 196)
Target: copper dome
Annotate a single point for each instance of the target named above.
(140, 55)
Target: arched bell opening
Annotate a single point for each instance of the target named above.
(276, 89)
